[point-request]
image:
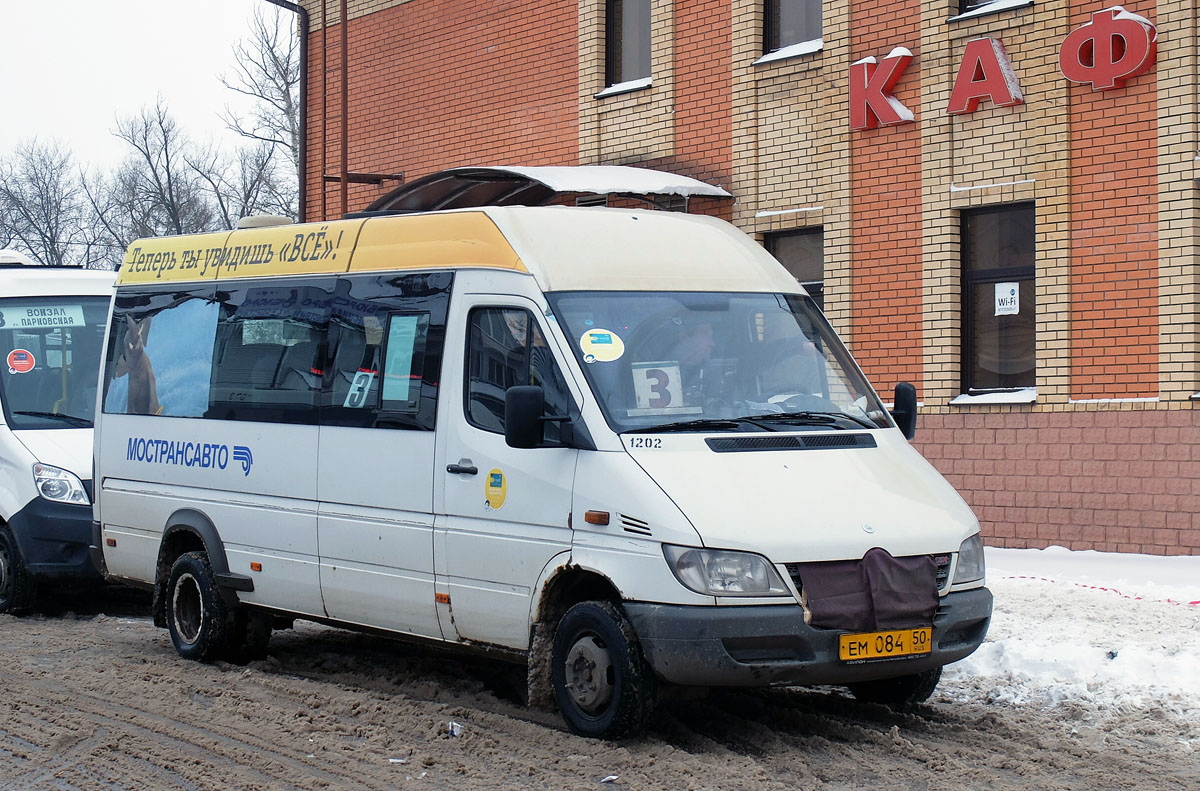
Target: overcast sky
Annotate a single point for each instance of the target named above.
(69, 68)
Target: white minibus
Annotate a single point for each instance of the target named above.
(620, 447)
(52, 323)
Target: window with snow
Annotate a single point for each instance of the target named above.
(999, 307)
(803, 254)
(789, 22)
(627, 41)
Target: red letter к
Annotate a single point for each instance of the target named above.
(871, 100)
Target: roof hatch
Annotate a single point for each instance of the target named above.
(472, 187)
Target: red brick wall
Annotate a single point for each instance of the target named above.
(885, 215)
(1115, 481)
(704, 91)
(1114, 232)
(443, 83)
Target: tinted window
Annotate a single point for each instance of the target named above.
(507, 348)
(628, 40)
(160, 353)
(269, 355)
(385, 339)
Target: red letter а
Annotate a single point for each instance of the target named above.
(871, 100)
(985, 73)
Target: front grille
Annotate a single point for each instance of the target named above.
(942, 575)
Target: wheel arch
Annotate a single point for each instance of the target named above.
(187, 530)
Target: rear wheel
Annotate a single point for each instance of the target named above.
(16, 595)
(902, 691)
(602, 684)
(198, 618)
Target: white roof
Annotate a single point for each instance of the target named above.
(569, 248)
(53, 281)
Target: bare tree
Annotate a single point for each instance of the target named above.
(43, 209)
(268, 71)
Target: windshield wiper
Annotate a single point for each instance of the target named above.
(808, 418)
(81, 422)
(703, 424)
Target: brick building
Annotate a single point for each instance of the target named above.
(1029, 263)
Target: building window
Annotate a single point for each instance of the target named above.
(790, 22)
(803, 254)
(628, 41)
(999, 309)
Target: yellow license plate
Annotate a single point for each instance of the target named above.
(885, 645)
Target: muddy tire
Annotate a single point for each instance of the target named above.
(198, 619)
(249, 636)
(602, 683)
(16, 594)
(900, 692)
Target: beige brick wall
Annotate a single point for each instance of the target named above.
(1179, 200)
(354, 9)
(791, 146)
(630, 127)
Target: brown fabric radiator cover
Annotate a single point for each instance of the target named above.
(875, 593)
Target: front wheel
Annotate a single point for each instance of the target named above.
(900, 692)
(602, 684)
(197, 617)
(16, 596)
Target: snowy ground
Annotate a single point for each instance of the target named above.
(1092, 636)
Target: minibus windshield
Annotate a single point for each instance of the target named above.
(51, 348)
(690, 361)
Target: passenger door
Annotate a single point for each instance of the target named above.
(376, 473)
(506, 510)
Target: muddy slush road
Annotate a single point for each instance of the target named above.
(96, 698)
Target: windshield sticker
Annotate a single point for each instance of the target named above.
(34, 316)
(601, 346)
(20, 361)
(496, 489)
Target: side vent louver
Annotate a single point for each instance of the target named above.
(633, 525)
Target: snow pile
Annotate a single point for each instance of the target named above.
(1111, 633)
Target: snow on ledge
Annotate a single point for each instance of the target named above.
(1151, 400)
(624, 87)
(803, 48)
(991, 8)
(780, 212)
(1023, 395)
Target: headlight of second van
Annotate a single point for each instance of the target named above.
(58, 485)
(970, 560)
(722, 572)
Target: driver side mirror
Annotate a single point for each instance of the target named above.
(904, 409)
(523, 409)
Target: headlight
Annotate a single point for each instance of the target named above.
(970, 560)
(59, 485)
(721, 572)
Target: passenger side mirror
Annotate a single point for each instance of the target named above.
(523, 408)
(904, 409)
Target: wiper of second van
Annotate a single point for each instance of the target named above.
(807, 418)
(81, 422)
(702, 424)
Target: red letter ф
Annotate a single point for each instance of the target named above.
(1113, 47)
(871, 100)
(985, 73)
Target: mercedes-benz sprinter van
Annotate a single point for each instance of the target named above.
(52, 324)
(621, 447)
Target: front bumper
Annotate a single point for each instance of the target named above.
(770, 645)
(55, 540)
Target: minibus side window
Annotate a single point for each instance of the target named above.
(160, 352)
(270, 348)
(507, 348)
(385, 339)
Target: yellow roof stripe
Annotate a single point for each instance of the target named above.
(379, 243)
